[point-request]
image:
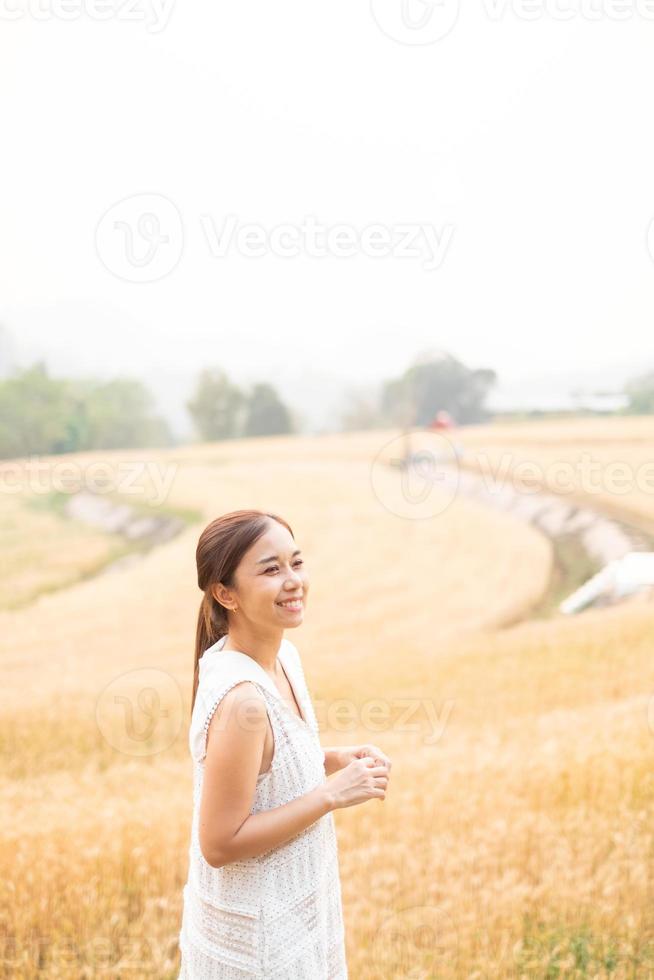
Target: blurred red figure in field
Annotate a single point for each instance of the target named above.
(442, 420)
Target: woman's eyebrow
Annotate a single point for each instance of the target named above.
(276, 557)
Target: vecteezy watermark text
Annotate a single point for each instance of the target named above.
(155, 14)
(101, 953)
(585, 474)
(398, 714)
(314, 239)
(416, 22)
(141, 239)
(147, 479)
(565, 10)
(422, 483)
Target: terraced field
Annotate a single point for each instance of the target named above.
(516, 836)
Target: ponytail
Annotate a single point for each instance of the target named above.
(211, 625)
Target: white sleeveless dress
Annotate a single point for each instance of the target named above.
(278, 915)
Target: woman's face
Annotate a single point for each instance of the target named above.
(269, 575)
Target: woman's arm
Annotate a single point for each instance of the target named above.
(227, 830)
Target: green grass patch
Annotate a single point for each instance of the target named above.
(550, 951)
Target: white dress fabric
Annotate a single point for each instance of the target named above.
(278, 914)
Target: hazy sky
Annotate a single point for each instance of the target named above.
(492, 176)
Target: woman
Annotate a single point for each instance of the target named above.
(263, 896)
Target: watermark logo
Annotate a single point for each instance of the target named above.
(140, 238)
(416, 485)
(140, 712)
(416, 21)
(417, 941)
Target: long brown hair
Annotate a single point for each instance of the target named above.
(220, 548)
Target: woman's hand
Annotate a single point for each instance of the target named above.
(359, 781)
(342, 755)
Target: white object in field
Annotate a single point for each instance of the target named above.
(634, 572)
(620, 578)
(591, 590)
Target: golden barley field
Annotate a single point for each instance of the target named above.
(516, 839)
(608, 462)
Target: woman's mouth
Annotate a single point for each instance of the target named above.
(291, 604)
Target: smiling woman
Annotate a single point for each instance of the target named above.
(263, 895)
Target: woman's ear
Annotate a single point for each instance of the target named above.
(221, 594)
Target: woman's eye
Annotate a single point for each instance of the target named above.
(273, 568)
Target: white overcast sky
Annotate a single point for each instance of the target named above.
(530, 140)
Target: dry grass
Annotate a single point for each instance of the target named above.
(516, 837)
(607, 462)
(41, 551)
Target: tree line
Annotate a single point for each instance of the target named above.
(41, 414)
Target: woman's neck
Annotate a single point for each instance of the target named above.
(262, 648)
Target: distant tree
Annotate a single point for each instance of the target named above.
(117, 414)
(216, 406)
(40, 415)
(433, 384)
(36, 414)
(266, 413)
(640, 392)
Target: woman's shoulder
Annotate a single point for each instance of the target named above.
(220, 676)
(219, 668)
